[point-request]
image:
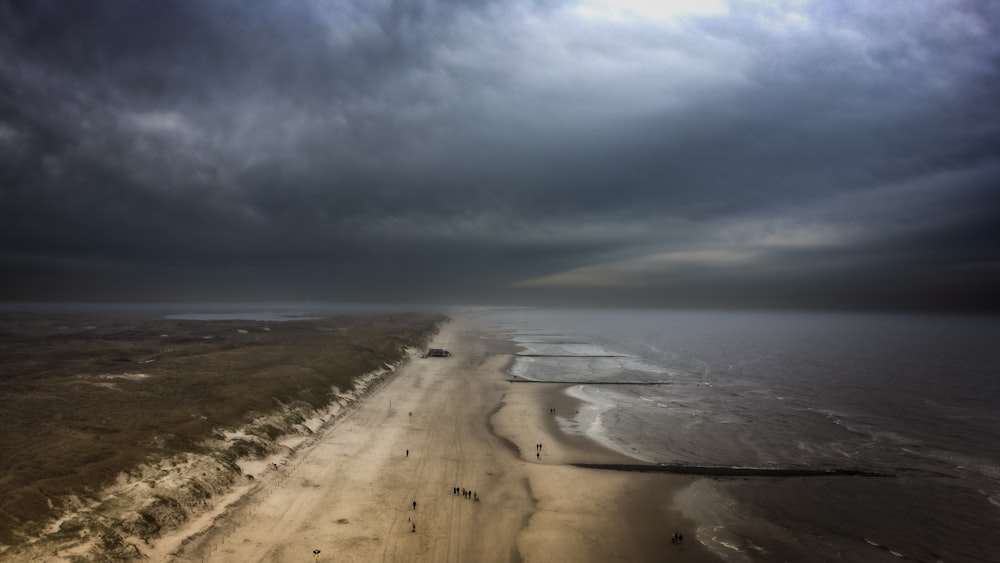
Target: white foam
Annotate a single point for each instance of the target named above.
(129, 376)
(522, 367)
(727, 545)
(589, 419)
(994, 500)
(704, 502)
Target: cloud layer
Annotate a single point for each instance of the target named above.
(771, 154)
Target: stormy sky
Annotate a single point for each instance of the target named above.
(710, 153)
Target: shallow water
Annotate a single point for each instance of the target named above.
(915, 397)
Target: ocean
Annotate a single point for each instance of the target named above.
(912, 398)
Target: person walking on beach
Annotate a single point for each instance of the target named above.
(407, 453)
(414, 505)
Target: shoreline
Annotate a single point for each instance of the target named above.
(376, 482)
(481, 429)
(456, 422)
(576, 505)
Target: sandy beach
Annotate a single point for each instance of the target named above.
(379, 484)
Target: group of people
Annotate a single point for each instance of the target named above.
(466, 493)
(677, 537)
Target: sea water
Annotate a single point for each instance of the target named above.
(915, 398)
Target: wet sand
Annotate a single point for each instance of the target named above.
(350, 492)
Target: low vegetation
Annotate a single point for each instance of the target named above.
(85, 402)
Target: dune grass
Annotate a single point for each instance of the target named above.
(83, 399)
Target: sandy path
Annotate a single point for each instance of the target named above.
(350, 493)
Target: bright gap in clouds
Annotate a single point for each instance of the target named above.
(649, 9)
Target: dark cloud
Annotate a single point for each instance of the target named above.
(797, 154)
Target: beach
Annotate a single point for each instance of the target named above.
(379, 485)
(544, 436)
